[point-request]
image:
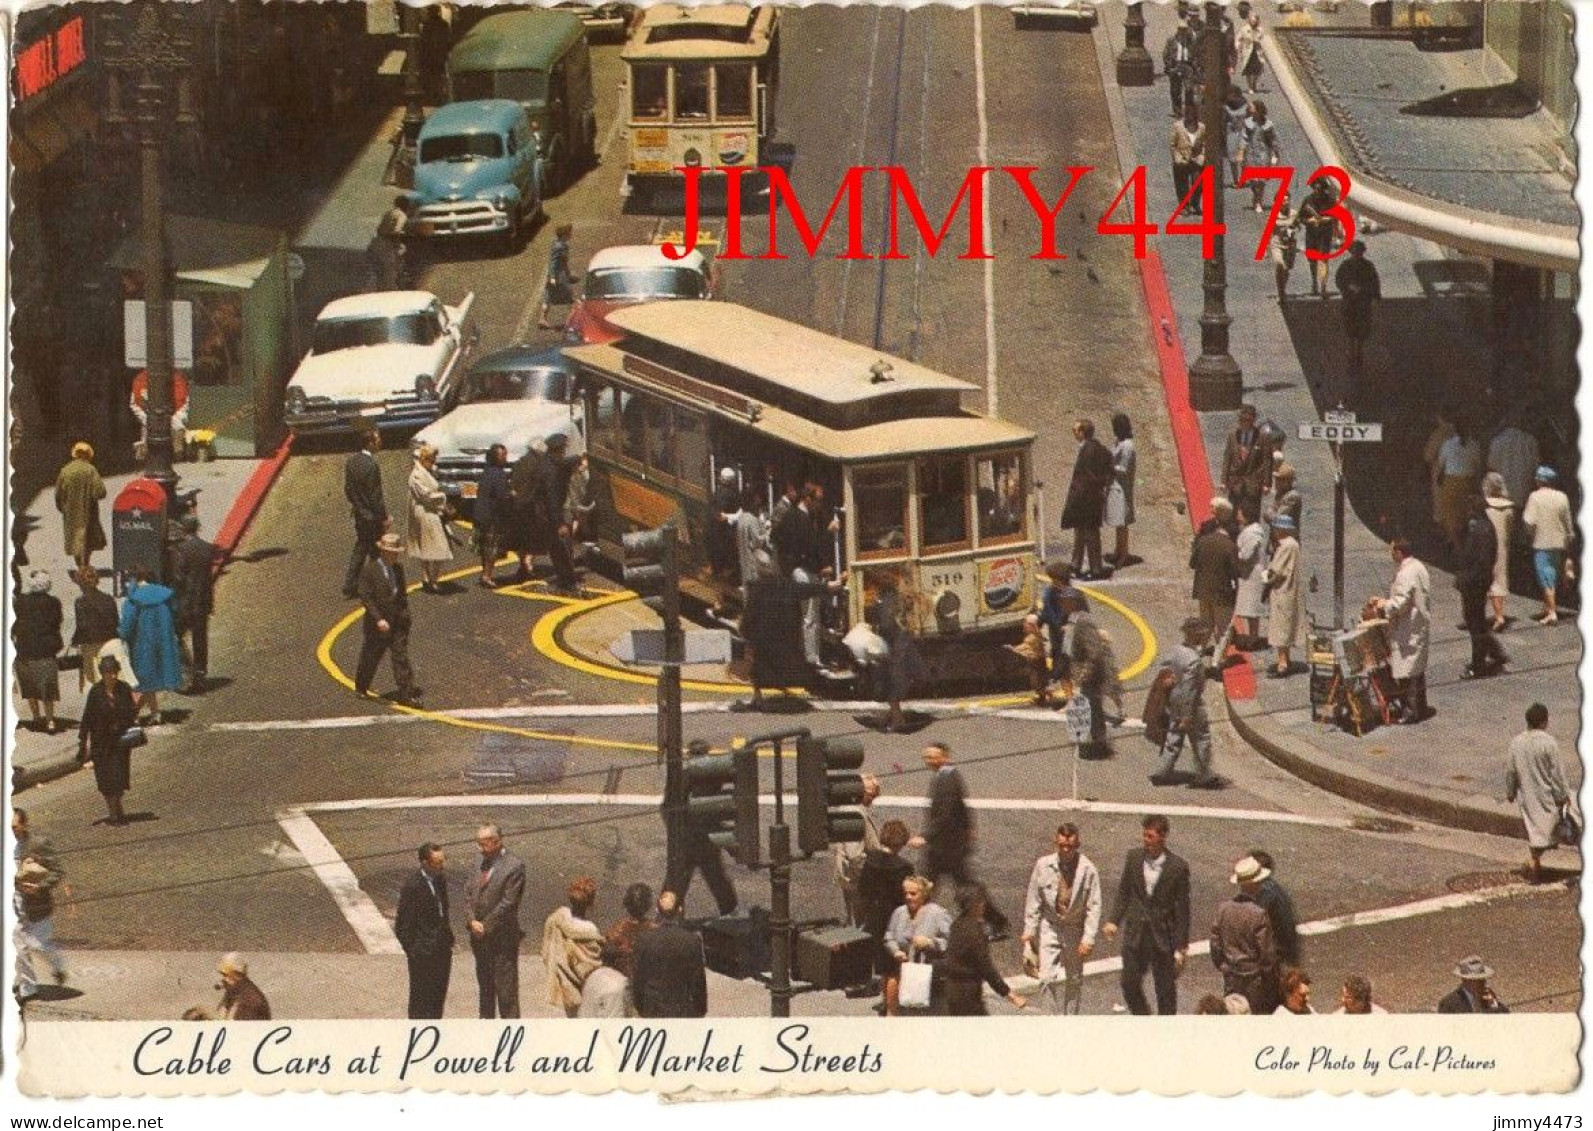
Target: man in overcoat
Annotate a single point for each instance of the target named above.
(1061, 915)
(495, 894)
(1086, 500)
(78, 491)
(362, 487)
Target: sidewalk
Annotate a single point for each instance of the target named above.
(1450, 769)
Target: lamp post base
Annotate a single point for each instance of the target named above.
(1135, 68)
(1216, 383)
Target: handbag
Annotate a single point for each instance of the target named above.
(1567, 829)
(917, 977)
(132, 738)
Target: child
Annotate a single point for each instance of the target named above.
(1031, 650)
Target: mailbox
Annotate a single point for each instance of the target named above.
(138, 529)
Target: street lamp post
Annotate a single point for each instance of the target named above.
(1134, 66)
(1215, 380)
(414, 112)
(149, 45)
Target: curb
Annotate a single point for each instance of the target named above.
(248, 502)
(45, 769)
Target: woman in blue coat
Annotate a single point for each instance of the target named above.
(148, 628)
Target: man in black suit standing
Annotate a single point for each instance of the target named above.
(670, 976)
(949, 836)
(495, 925)
(386, 625)
(192, 572)
(362, 486)
(1152, 910)
(423, 931)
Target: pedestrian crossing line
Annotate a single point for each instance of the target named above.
(369, 924)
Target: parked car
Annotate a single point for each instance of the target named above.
(392, 357)
(624, 276)
(477, 172)
(514, 397)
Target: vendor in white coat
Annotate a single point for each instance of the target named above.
(1061, 916)
(1250, 603)
(1408, 608)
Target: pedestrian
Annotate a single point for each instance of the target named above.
(1248, 46)
(37, 872)
(1547, 521)
(1513, 453)
(1259, 147)
(1286, 497)
(1408, 609)
(671, 978)
(495, 933)
(1459, 472)
(1535, 782)
(78, 491)
(1186, 708)
(967, 966)
(493, 513)
(241, 999)
(1242, 947)
(1358, 283)
(423, 930)
(578, 507)
(772, 624)
(1235, 113)
(903, 667)
(541, 483)
(948, 839)
(362, 487)
(1120, 495)
(1095, 675)
(1030, 650)
(385, 596)
(36, 633)
(1501, 513)
(1356, 997)
(1285, 245)
(1285, 603)
(1473, 576)
(1322, 230)
(192, 570)
(149, 629)
(1085, 507)
(559, 287)
(1474, 994)
(1054, 616)
(849, 855)
(1188, 146)
(879, 887)
(754, 554)
(1151, 909)
(1178, 63)
(1246, 463)
(606, 993)
(789, 497)
(1250, 593)
(384, 254)
(919, 930)
(1061, 916)
(1278, 905)
(428, 513)
(724, 509)
(572, 946)
(1294, 992)
(621, 937)
(108, 714)
(1214, 562)
(798, 545)
(95, 619)
(699, 854)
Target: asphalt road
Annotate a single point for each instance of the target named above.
(212, 865)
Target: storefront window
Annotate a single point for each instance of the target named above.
(733, 95)
(1003, 498)
(943, 494)
(879, 495)
(650, 93)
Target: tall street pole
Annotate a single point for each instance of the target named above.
(1215, 381)
(1134, 65)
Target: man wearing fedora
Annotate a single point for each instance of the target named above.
(191, 568)
(1242, 947)
(386, 625)
(1474, 994)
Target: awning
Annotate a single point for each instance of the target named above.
(1434, 144)
(208, 251)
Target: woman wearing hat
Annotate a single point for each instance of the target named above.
(428, 505)
(78, 491)
(1547, 520)
(108, 712)
(1283, 594)
(36, 632)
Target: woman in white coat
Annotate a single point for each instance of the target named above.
(1502, 513)
(428, 507)
(1250, 602)
(1408, 608)
(1283, 592)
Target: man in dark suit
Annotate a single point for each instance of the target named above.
(192, 565)
(423, 931)
(949, 836)
(1474, 994)
(362, 486)
(495, 925)
(1152, 910)
(386, 625)
(1247, 463)
(671, 976)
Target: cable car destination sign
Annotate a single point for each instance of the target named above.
(1341, 427)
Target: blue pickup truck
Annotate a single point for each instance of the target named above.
(477, 172)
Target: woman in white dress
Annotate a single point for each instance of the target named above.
(428, 507)
(1502, 513)
(1251, 600)
(1120, 495)
(1283, 591)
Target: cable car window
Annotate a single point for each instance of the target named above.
(650, 93)
(605, 415)
(691, 448)
(879, 495)
(733, 92)
(1003, 497)
(943, 493)
(633, 429)
(661, 438)
(691, 91)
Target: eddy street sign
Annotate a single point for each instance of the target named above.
(1342, 433)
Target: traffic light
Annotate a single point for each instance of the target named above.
(650, 566)
(722, 801)
(827, 777)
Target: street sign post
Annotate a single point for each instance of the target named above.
(1338, 427)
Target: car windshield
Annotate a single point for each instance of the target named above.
(460, 147)
(417, 329)
(516, 385)
(644, 282)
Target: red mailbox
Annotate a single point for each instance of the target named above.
(138, 529)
